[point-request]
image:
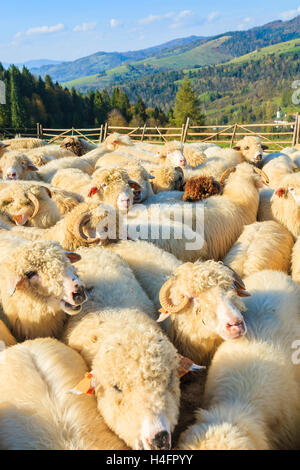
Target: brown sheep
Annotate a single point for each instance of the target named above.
(201, 187)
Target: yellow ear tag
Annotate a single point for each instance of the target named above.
(163, 315)
(86, 386)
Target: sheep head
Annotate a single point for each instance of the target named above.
(74, 145)
(204, 300)
(15, 165)
(251, 149)
(22, 204)
(172, 154)
(290, 188)
(167, 178)
(136, 381)
(115, 140)
(114, 187)
(42, 272)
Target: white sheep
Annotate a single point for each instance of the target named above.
(37, 410)
(262, 245)
(277, 168)
(251, 397)
(20, 143)
(6, 338)
(123, 144)
(38, 286)
(296, 262)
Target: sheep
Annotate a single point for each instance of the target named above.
(251, 397)
(123, 143)
(21, 143)
(277, 168)
(51, 150)
(221, 218)
(38, 286)
(251, 149)
(264, 208)
(167, 178)
(37, 410)
(284, 204)
(30, 205)
(77, 145)
(16, 165)
(6, 338)
(261, 246)
(177, 154)
(85, 185)
(135, 371)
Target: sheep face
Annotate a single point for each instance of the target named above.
(73, 144)
(137, 386)
(41, 273)
(114, 187)
(251, 149)
(167, 178)
(29, 205)
(172, 154)
(115, 140)
(16, 166)
(203, 300)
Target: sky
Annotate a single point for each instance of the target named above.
(67, 30)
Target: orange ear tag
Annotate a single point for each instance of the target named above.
(186, 365)
(163, 315)
(86, 386)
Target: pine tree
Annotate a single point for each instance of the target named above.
(18, 118)
(187, 105)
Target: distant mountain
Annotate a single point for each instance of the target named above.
(102, 61)
(34, 64)
(177, 55)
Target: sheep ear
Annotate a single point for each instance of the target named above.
(149, 176)
(134, 185)
(265, 147)
(73, 257)
(237, 147)
(12, 283)
(93, 191)
(186, 365)
(86, 386)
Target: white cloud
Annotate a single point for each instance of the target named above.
(213, 15)
(289, 14)
(247, 20)
(153, 18)
(44, 29)
(114, 23)
(181, 18)
(85, 27)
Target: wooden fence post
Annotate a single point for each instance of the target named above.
(37, 130)
(105, 130)
(182, 132)
(143, 133)
(298, 130)
(101, 134)
(233, 135)
(41, 130)
(186, 130)
(295, 130)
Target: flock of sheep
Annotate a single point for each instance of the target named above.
(104, 336)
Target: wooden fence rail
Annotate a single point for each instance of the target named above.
(276, 135)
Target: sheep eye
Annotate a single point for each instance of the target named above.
(117, 388)
(6, 203)
(31, 274)
(291, 189)
(247, 148)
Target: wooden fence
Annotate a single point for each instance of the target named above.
(275, 135)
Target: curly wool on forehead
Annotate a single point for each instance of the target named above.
(139, 355)
(111, 176)
(43, 256)
(166, 174)
(291, 180)
(200, 276)
(116, 138)
(250, 140)
(171, 147)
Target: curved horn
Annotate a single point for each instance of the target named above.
(35, 203)
(78, 229)
(237, 279)
(226, 174)
(165, 301)
(262, 174)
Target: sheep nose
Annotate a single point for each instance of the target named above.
(161, 441)
(12, 176)
(79, 296)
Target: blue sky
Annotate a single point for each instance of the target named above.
(66, 30)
